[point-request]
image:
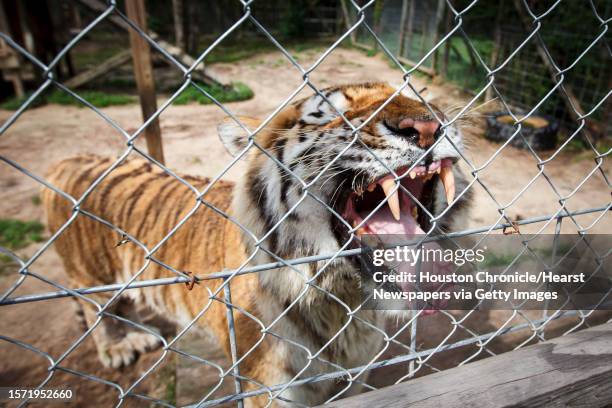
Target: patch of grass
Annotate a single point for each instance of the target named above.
(7, 264)
(15, 234)
(604, 145)
(15, 103)
(96, 98)
(171, 392)
(496, 260)
(237, 91)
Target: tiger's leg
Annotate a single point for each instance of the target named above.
(118, 343)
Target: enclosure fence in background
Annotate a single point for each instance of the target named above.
(412, 356)
(409, 28)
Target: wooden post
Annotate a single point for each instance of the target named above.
(10, 63)
(143, 72)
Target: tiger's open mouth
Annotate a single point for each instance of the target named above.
(400, 214)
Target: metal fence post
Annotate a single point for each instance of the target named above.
(232, 338)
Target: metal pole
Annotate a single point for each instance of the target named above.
(232, 338)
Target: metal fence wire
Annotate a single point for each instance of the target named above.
(412, 356)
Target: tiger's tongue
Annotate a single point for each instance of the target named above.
(382, 222)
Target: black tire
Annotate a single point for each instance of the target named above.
(542, 138)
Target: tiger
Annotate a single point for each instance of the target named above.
(346, 161)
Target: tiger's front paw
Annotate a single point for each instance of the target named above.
(125, 351)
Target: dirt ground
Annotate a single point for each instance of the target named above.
(48, 134)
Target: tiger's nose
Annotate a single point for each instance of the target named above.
(428, 130)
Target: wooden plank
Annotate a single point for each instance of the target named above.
(84, 77)
(186, 59)
(9, 59)
(573, 370)
(143, 72)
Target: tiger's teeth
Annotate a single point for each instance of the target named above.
(448, 180)
(415, 212)
(388, 186)
(413, 174)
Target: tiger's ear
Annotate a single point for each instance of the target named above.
(233, 136)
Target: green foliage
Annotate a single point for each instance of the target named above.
(291, 23)
(237, 91)
(15, 234)
(567, 31)
(378, 10)
(96, 98)
(493, 259)
(7, 264)
(171, 391)
(15, 103)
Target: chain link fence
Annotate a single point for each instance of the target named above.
(403, 336)
(410, 28)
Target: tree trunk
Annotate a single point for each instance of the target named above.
(179, 27)
(193, 27)
(497, 38)
(438, 27)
